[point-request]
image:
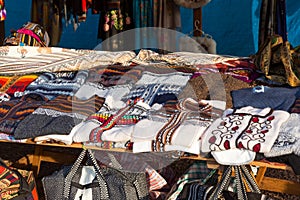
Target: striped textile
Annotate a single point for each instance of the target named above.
(198, 171)
(14, 111)
(295, 107)
(14, 86)
(26, 59)
(52, 85)
(57, 116)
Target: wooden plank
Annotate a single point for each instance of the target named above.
(279, 185)
(57, 157)
(260, 174)
(261, 163)
(36, 160)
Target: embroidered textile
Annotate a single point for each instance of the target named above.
(111, 125)
(246, 128)
(288, 140)
(26, 59)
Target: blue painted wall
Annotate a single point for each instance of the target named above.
(232, 23)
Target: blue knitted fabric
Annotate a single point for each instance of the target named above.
(52, 85)
(278, 98)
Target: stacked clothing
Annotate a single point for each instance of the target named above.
(241, 132)
(175, 126)
(57, 116)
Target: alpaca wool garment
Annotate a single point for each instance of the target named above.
(246, 128)
(158, 88)
(112, 94)
(288, 140)
(12, 112)
(115, 75)
(116, 125)
(53, 84)
(296, 106)
(58, 116)
(174, 127)
(278, 98)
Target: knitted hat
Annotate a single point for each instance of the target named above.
(30, 34)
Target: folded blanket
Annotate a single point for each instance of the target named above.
(14, 86)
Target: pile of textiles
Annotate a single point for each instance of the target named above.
(146, 102)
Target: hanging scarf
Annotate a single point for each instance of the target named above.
(2, 10)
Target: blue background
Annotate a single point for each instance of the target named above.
(232, 23)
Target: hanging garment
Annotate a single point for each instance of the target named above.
(143, 13)
(192, 3)
(198, 44)
(2, 18)
(2, 10)
(48, 15)
(272, 20)
(115, 17)
(279, 61)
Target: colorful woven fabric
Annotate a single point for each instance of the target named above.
(198, 171)
(14, 111)
(57, 116)
(9, 183)
(14, 86)
(114, 75)
(30, 34)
